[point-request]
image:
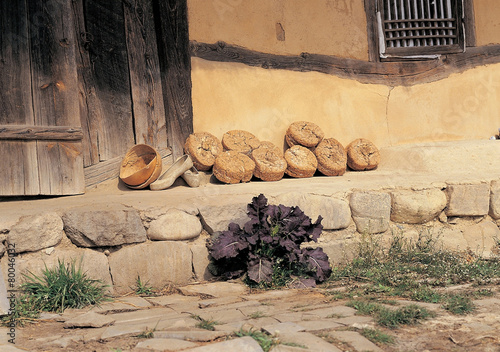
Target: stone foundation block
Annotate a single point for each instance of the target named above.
(495, 200)
(335, 212)
(87, 228)
(417, 207)
(371, 211)
(32, 233)
(482, 237)
(175, 225)
(158, 263)
(93, 263)
(217, 218)
(201, 258)
(452, 239)
(468, 199)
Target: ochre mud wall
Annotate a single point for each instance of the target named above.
(235, 96)
(283, 27)
(452, 98)
(487, 15)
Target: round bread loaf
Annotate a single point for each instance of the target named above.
(332, 157)
(203, 148)
(301, 162)
(240, 141)
(362, 155)
(304, 133)
(269, 165)
(233, 167)
(271, 146)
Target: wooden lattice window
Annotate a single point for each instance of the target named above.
(420, 27)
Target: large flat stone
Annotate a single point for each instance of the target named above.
(335, 212)
(159, 263)
(201, 258)
(495, 200)
(371, 211)
(89, 320)
(309, 340)
(242, 344)
(175, 225)
(190, 335)
(160, 344)
(215, 289)
(93, 263)
(482, 238)
(217, 218)
(468, 199)
(103, 228)
(34, 232)
(452, 239)
(417, 207)
(356, 340)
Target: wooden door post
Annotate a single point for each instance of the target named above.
(175, 65)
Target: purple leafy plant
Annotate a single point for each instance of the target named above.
(268, 249)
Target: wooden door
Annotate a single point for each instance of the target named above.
(40, 133)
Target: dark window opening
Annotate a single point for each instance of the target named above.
(420, 28)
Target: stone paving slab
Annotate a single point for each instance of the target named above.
(215, 289)
(172, 300)
(89, 320)
(192, 335)
(160, 344)
(243, 344)
(319, 325)
(311, 341)
(356, 340)
(123, 304)
(283, 328)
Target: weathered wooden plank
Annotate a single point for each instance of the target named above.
(175, 63)
(91, 111)
(372, 31)
(19, 171)
(110, 169)
(105, 30)
(469, 23)
(55, 94)
(404, 73)
(40, 133)
(145, 78)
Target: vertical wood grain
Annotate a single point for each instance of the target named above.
(55, 94)
(91, 112)
(19, 172)
(105, 28)
(145, 78)
(175, 64)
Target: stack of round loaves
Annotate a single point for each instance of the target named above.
(309, 150)
(238, 158)
(241, 155)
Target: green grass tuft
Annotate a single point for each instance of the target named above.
(459, 304)
(377, 336)
(204, 324)
(265, 341)
(64, 286)
(143, 289)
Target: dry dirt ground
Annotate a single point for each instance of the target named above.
(479, 331)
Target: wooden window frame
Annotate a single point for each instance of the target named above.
(466, 28)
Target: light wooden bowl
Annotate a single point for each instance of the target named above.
(139, 164)
(154, 176)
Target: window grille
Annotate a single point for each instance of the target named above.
(420, 27)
